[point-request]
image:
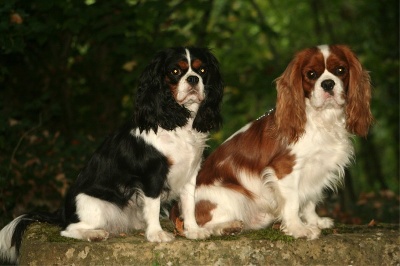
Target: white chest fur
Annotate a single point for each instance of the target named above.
(322, 153)
(183, 147)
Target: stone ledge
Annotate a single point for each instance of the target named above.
(345, 245)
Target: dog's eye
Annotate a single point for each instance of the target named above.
(339, 71)
(176, 71)
(311, 74)
(202, 70)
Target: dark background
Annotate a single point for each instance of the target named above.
(69, 69)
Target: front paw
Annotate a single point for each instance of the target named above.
(197, 233)
(159, 236)
(325, 222)
(309, 232)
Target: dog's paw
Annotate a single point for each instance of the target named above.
(325, 222)
(97, 235)
(159, 236)
(91, 235)
(197, 233)
(309, 232)
(233, 228)
(226, 228)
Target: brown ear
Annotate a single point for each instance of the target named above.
(358, 112)
(290, 114)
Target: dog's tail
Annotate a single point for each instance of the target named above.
(11, 234)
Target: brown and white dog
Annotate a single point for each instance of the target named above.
(277, 167)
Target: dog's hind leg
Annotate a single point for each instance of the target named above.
(95, 217)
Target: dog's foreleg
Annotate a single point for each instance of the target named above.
(192, 230)
(151, 212)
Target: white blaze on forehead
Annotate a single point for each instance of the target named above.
(190, 94)
(188, 58)
(325, 51)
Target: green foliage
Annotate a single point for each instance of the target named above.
(68, 72)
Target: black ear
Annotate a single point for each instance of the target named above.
(208, 116)
(155, 105)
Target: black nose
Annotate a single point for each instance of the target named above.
(193, 80)
(327, 84)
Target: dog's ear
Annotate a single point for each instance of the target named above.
(358, 96)
(155, 105)
(208, 116)
(290, 114)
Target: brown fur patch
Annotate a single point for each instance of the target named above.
(203, 211)
(358, 94)
(292, 86)
(309, 60)
(172, 87)
(283, 164)
(251, 151)
(170, 161)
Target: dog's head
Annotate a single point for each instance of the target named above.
(180, 84)
(330, 77)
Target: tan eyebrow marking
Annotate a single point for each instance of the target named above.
(197, 63)
(183, 65)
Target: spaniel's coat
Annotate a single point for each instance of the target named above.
(154, 158)
(277, 167)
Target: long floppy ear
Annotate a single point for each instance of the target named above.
(155, 105)
(208, 116)
(358, 97)
(290, 114)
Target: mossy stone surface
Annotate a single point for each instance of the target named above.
(343, 245)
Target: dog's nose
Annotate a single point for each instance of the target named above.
(327, 84)
(193, 80)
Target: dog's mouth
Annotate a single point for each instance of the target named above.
(327, 100)
(333, 101)
(192, 95)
